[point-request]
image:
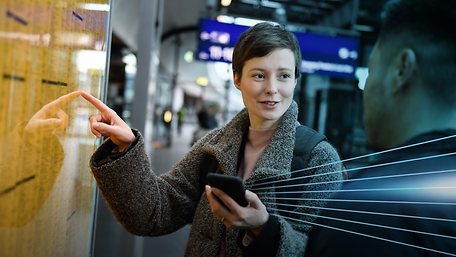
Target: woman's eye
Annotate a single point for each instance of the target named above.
(285, 76)
(258, 76)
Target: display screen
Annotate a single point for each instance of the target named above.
(49, 50)
(321, 54)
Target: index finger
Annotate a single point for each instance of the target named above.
(61, 101)
(96, 102)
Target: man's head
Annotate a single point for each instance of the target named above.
(412, 71)
(262, 39)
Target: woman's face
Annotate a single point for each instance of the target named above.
(267, 86)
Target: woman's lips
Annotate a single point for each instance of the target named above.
(270, 104)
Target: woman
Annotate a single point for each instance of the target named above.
(256, 144)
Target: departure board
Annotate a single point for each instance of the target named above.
(49, 50)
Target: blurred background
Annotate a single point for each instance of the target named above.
(190, 53)
(164, 67)
(190, 50)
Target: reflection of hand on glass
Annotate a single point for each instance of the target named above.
(48, 121)
(108, 124)
(32, 160)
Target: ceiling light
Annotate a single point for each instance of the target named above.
(188, 56)
(247, 21)
(202, 81)
(168, 116)
(129, 59)
(226, 2)
(225, 19)
(95, 7)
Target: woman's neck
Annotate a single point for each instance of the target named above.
(264, 124)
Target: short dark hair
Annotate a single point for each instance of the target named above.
(425, 26)
(260, 40)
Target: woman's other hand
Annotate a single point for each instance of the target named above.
(49, 120)
(252, 217)
(108, 124)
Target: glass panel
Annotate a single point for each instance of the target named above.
(48, 49)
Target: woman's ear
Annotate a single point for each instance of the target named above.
(236, 80)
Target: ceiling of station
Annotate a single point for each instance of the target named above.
(359, 15)
(295, 11)
(183, 15)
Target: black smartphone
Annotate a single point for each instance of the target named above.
(231, 185)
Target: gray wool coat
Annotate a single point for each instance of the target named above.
(150, 205)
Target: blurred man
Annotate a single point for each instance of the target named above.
(404, 204)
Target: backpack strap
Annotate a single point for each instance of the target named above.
(305, 141)
(309, 138)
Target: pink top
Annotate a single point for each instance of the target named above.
(257, 141)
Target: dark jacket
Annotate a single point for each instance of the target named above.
(404, 205)
(150, 205)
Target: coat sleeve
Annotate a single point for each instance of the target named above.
(143, 203)
(320, 183)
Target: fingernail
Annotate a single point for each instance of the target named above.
(95, 125)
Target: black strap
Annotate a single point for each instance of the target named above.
(305, 141)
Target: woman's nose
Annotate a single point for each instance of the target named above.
(271, 87)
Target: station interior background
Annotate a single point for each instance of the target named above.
(329, 104)
(150, 68)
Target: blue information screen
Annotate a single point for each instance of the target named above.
(321, 54)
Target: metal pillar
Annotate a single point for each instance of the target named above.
(123, 243)
(145, 81)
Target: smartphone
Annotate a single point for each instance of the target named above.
(231, 185)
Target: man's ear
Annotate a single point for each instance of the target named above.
(405, 68)
(236, 80)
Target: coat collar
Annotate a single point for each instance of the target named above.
(277, 156)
